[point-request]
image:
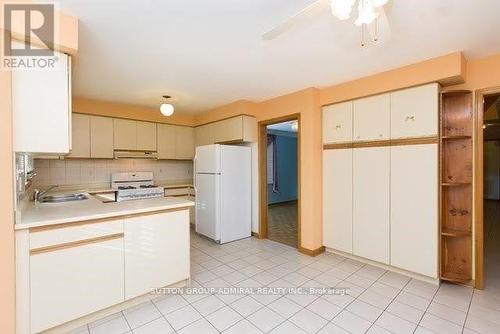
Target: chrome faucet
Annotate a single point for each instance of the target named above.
(37, 194)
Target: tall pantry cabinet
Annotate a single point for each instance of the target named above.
(380, 178)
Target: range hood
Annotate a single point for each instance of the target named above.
(123, 154)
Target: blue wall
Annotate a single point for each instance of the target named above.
(287, 170)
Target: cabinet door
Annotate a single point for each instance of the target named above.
(101, 137)
(204, 135)
(72, 282)
(146, 136)
(184, 143)
(125, 134)
(372, 118)
(414, 112)
(228, 130)
(337, 123)
(166, 141)
(249, 129)
(156, 251)
(80, 132)
(337, 199)
(41, 105)
(414, 208)
(371, 203)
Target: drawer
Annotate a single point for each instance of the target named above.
(57, 235)
(177, 191)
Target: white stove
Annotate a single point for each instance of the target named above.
(138, 185)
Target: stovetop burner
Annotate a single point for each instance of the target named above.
(126, 187)
(144, 186)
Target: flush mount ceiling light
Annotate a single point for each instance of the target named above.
(167, 109)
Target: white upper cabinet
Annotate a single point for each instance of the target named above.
(125, 134)
(337, 123)
(205, 134)
(80, 126)
(372, 118)
(146, 136)
(41, 104)
(414, 208)
(101, 137)
(166, 141)
(371, 187)
(337, 199)
(184, 143)
(414, 112)
(235, 129)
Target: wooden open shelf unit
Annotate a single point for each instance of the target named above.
(456, 186)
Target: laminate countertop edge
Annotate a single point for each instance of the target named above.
(46, 214)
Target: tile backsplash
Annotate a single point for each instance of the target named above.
(96, 171)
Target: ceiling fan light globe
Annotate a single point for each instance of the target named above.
(167, 109)
(342, 9)
(366, 12)
(379, 3)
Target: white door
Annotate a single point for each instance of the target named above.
(371, 172)
(207, 205)
(156, 251)
(414, 208)
(371, 118)
(207, 159)
(414, 112)
(337, 199)
(337, 123)
(69, 283)
(235, 193)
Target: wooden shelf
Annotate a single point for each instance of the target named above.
(456, 184)
(455, 278)
(455, 233)
(455, 137)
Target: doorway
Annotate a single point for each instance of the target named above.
(280, 182)
(489, 144)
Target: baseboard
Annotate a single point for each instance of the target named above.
(312, 252)
(431, 280)
(256, 235)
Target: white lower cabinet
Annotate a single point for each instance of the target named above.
(156, 251)
(371, 173)
(414, 208)
(69, 283)
(337, 199)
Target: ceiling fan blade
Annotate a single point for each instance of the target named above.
(308, 12)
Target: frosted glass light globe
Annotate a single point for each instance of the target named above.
(167, 109)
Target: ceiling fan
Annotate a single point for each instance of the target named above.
(371, 17)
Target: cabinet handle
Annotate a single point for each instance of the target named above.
(410, 118)
(338, 127)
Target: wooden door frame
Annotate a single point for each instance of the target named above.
(479, 184)
(263, 203)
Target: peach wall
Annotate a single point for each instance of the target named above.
(448, 70)
(120, 110)
(7, 257)
(482, 73)
(306, 103)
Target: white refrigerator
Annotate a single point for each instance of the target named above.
(223, 192)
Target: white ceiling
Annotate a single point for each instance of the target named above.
(209, 53)
(284, 126)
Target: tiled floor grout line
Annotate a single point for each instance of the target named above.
(468, 309)
(427, 308)
(392, 301)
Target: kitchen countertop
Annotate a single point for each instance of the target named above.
(44, 214)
